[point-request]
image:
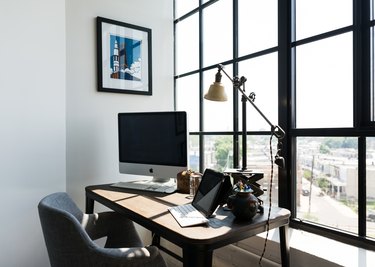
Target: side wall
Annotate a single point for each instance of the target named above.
(92, 154)
(32, 117)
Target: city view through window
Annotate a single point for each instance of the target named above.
(327, 176)
(327, 182)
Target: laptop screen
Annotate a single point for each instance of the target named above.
(205, 199)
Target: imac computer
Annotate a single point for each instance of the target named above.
(153, 144)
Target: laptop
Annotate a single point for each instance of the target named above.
(205, 201)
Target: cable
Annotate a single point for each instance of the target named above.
(269, 208)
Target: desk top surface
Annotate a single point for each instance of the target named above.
(151, 211)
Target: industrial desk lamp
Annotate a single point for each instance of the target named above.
(216, 92)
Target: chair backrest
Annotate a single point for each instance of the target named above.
(66, 240)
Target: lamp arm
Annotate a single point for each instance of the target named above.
(275, 129)
(221, 68)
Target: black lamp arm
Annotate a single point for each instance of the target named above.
(237, 83)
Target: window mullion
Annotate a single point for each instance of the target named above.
(201, 90)
(362, 186)
(361, 64)
(284, 104)
(235, 94)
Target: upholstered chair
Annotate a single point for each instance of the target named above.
(69, 235)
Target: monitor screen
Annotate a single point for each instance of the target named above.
(153, 143)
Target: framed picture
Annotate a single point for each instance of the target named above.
(124, 57)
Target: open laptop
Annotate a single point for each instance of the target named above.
(204, 203)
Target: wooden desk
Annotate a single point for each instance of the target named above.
(150, 210)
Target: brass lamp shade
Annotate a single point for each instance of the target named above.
(216, 92)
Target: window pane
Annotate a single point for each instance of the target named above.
(194, 152)
(324, 83)
(370, 186)
(217, 33)
(187, 99)
(218, 116)
(257, 26)
(187, 45)
(261, 74)
(327, 181)
(259, 160)
(319, 16)
(217, 151)
(182, 7)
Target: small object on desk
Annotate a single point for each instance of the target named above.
(183, 181)
(148, 185)
(249, 177)
(244, 205)
(195, 179)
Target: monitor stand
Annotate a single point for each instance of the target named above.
(160, 180)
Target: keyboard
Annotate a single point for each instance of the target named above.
(187, 215)
(148, 185)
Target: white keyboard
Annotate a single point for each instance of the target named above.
(187, 215)
(148, 185)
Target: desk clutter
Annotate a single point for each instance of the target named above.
(206, 198)
(241, 198)
(198, 242)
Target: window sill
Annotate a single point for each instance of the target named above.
(308, 249)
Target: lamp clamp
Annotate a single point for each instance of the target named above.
(252, 96)
(277, 131)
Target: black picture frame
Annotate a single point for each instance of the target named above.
(124, 57)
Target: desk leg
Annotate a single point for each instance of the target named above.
(89, 205)
(284, 246)
(196, 257)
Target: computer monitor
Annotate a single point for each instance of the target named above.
(153, 144)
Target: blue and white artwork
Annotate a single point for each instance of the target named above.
(125, 58)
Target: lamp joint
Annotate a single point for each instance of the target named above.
(252, 96)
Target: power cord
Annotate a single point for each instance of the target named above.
(269, 207)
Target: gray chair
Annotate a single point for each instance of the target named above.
(69, 235)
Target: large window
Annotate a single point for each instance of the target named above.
(330, 134)
(311, 65)
(209, 33)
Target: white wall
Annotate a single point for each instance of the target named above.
(56, 129)
(92, 154)
(32, 122)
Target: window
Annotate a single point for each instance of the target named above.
(372, 58)
(324, 70)
(330, 137)
(370, 187)
(205, 37)
(310, 64)
(327, 181)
